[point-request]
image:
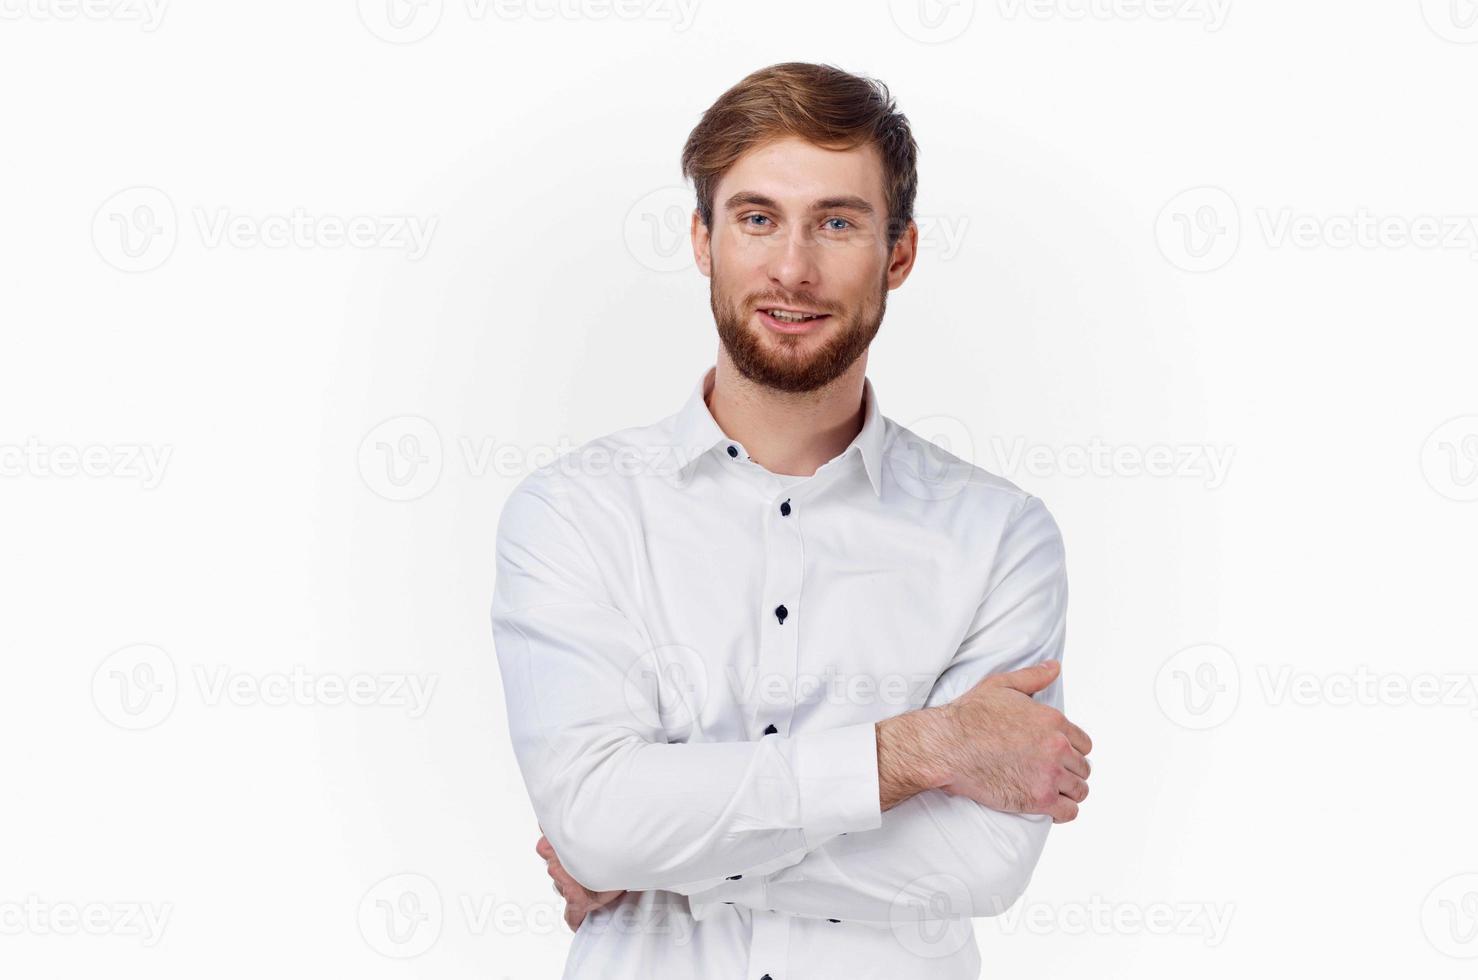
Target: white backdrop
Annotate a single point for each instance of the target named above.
(294, 294)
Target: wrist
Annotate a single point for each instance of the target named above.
(910, 755)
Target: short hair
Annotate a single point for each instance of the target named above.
(820, 103)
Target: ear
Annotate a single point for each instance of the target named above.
(905, 251)
(702, 242)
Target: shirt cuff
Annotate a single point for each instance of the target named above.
(837, 770)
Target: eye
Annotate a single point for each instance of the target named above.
(746, 218)
(843, 221)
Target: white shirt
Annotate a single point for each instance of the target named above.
(694, 652)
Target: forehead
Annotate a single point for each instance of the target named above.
(796, 172)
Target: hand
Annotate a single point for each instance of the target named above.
(1011, 753)
(579, 900)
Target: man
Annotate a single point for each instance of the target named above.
(782, 676)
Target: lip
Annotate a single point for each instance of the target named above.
(779, 327)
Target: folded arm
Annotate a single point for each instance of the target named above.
(623, 808)
(936, 854)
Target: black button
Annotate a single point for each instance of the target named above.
(733, 451)
(833, 920)
(765, 977)
(770, 729)
(785, 508)
(781, 612)
(733, 877)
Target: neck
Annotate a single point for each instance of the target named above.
(790, 433)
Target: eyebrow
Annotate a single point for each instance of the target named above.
(844, 202)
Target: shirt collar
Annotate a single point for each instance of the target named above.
(695, 433)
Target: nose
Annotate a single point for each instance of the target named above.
(793, 262)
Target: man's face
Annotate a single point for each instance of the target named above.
(798, 227)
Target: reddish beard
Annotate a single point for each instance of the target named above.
(780, 361)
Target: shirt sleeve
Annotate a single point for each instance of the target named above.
(622, 806)
(937, 855)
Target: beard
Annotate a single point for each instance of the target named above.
(794, 362)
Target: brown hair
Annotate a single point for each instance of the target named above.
(820, 103)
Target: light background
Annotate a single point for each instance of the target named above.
(1070, 294)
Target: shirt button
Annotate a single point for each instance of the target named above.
(833, 920)
(733, 451)
(785, 508)
(770, 729)
(733, 877)
(765, 977)
(781, 612)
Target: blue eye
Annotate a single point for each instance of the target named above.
(843, 221)
(762, 217)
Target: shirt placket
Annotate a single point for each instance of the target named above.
(778, 656)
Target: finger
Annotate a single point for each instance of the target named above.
(1074, 762)
(1079, 738)
(600, 899)
(1064, 811)
(1027, 680)
(544, 849)
(1073, 788)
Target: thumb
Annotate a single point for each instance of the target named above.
(1028, 680)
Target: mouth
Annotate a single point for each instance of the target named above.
(786, 320)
